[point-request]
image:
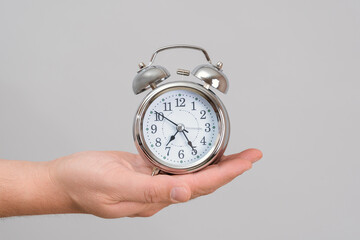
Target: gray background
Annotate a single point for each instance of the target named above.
(66, 69)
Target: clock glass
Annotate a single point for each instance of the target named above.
(180, 128)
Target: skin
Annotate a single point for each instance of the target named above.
(107, 184)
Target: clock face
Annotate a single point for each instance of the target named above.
(180, 128)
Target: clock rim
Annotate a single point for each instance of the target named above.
(214, 153)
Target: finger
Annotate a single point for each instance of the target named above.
(251, 154)
(156, 189)
(215, 176)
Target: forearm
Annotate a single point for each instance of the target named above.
(27, 189)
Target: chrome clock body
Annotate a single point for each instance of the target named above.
(177, 140)
(213, 155)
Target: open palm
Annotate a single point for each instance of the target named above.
(113, 184)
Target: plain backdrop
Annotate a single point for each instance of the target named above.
(66, 71)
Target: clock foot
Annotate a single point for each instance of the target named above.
(155, 171)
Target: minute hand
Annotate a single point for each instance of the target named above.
(169, 120)
(188, 141)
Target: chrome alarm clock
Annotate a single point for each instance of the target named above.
(182, 126)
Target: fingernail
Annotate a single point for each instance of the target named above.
(179, 194)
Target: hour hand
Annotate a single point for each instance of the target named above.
(172, 138)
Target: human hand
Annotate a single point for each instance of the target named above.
(119, 184)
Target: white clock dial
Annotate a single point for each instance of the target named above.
(180, 127)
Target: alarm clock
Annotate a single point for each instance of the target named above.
(181, 126)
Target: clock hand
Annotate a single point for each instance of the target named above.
(172, 138)
(168, 120)
(188, 141)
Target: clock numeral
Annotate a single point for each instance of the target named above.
(203, 141)
(153, 128)
(167, 106)
(207, 129)
(194, 151)
(158, 142)
(181, 101)
(159, 116)
(168, 150)
(203, 113)
(181, 154)
(193, 106)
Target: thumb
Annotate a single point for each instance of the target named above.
(158, 189)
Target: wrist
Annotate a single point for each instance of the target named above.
(49, 195)
(26, 188)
